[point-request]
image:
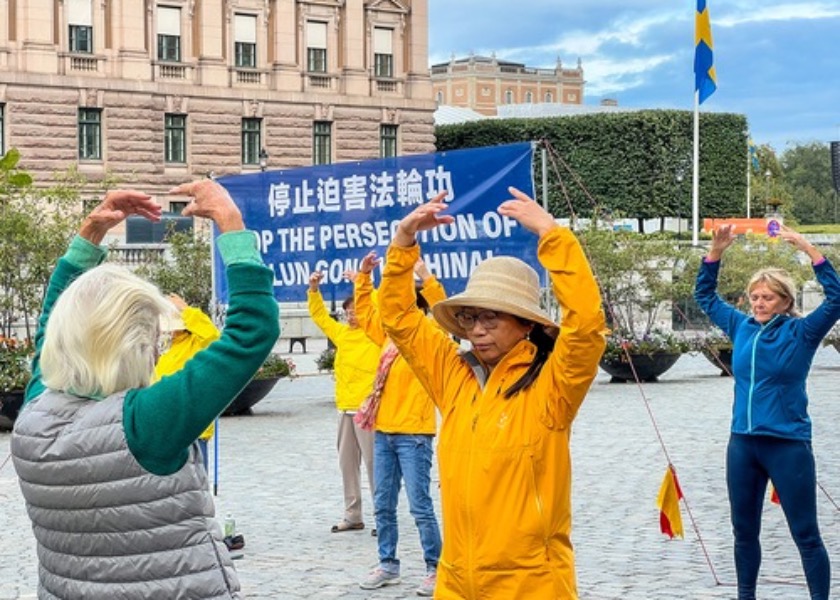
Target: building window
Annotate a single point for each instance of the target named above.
(80, 20)
(322, 143)
(529, 97)
(177, 207)
(439, 98)
(175, 138)
(246, 41)
(90, 134)
(169, 34)
(316, 47)
(509, 97)
(2, 129)
(388, 140)
(251, 141)
(549, 97)
(383, 54)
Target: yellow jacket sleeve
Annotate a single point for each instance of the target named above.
(367, 311)
(318, 311)
(574, 362)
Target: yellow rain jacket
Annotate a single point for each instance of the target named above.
(356, 356)
(505, 466)
(405, 406)
(200, 332)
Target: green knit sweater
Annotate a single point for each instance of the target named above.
(162, 421)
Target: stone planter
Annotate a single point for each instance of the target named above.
(10, 403)
(647, 368)
(256, 390)
(721, 358)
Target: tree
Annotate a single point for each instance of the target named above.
(806, 171)
(35, 228)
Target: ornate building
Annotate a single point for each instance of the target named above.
(157, 92)
(484, 83)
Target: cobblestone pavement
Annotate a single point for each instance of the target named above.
(278, 477)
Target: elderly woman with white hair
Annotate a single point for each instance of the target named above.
(507, 405)
(770, 437)
(113, 481)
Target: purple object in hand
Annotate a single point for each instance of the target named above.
(773, 227)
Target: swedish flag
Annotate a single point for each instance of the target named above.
(705, 79)
(753, 155)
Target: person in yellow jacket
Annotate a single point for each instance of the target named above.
(191, 332)
(405, 424)
(507, 405)
(354, 368)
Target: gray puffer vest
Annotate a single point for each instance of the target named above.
(107, 528)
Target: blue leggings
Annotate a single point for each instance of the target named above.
(750, 461)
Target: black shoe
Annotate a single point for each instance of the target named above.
(235, 542)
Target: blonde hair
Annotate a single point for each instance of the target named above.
(779, 282)
(102, 333)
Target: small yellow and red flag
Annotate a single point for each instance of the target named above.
(670, 494)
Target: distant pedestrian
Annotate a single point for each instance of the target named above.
(403, 416)
(107, 463)
(354, 369)
(770, 440)
(507, 405)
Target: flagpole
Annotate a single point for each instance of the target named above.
(695, 175)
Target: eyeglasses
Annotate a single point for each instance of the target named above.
(488, 319)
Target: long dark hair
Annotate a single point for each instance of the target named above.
(545, 344)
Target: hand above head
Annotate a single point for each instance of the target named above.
(798, 241)
(722, 238)
(424, 217)
(113, 210)
(177, 302)
(315, 281)
(528, 213)
(349, 275)
(211, 200)
(369, 262)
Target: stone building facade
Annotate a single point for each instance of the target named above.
(484, 83)
(157, 92)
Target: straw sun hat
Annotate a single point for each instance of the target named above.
(500, 283)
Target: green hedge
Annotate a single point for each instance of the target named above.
(631, 163)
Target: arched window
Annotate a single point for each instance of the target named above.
(509, 97)
(549, 97)
(439, 97)
(529, 97)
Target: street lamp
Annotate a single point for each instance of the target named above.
(767, 176)
(263, 159)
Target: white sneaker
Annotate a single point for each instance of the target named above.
(427, 587)
(379, 578)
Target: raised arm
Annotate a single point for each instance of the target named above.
(573, 363)
(161, 421)
(83, 254)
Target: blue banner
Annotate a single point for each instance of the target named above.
(328, 217)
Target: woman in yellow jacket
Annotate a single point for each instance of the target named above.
(354, 368)
(405, 425)
(507, 406)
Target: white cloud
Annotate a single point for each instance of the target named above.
(780, 12)
(606, 76)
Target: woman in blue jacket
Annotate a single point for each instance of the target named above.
(771, 432)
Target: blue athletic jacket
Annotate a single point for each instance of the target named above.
(770, 362)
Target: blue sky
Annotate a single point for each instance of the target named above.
(777, 62)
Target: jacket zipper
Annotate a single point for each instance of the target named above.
(752, 373)
(539, 505)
